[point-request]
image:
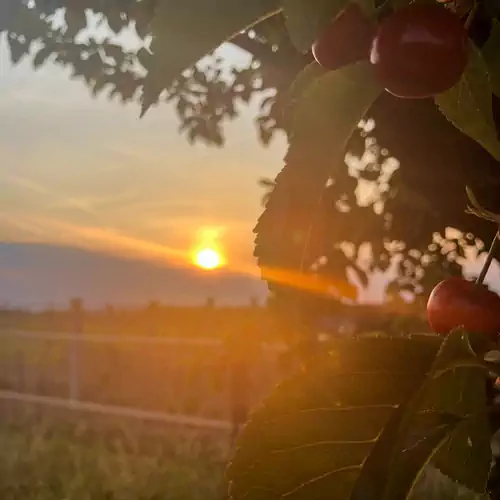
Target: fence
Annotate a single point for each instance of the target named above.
(199, 382)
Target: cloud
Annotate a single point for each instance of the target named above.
(41, 275)
(56, 199)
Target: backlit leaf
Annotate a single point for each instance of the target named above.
(18, 49)
(41, 56)
(492, 57)
(323, 119)
(310, 437)
(468, 105)
(454, 391)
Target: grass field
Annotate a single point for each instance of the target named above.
(178, 379)
(69, 461)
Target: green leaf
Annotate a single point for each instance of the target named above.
(183, 32)
(461, 391)
(492, 57)
(454, 389)
(18, 49)
(305, 19)
(456, 383)
(329, 112)
(322, 122)
(306, 77)
(41, 56)
(310, 438)
(433, 485)
(468, 105)
(435, 425)
(411, 462)
(76, 20)
(466, 455)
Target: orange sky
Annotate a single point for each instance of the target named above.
(90, 173)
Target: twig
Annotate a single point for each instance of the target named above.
(489, 258)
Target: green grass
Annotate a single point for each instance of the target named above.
(72, 462)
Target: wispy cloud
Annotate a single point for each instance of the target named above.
(110, 240)
(36, 187)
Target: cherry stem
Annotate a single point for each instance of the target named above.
(489, 259)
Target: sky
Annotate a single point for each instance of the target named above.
(85, 173)
(74, 167)
(89, 173)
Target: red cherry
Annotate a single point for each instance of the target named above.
(345, 40)
(456, 302)
(419, 51)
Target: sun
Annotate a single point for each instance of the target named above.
(208, 258)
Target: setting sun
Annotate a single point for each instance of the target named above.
(208, 258)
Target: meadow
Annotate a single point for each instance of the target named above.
(188, 379)
(45, 459)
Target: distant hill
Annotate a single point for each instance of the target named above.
(41, 275)
(38, 275)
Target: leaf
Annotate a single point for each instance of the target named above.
(466, 455)
(307, 76)
(434, 425)
(76, 20)
(468, 105)
(492, 57)
(144, 57)
(41, 56)
(305, 19)
(18, 49)
(184, 32)
(455, 385)
(371, 481)
(455, 388)
(433, 485)
(411, 462)
(115, 21)
(322, 122)
(310, 437)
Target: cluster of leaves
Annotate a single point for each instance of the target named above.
(58, 31)
(325, 113)
(374, 419)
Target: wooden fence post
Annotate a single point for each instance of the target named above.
(239, 383)
(152, 316)
(21, 371)
(76, 307)
(239, 389)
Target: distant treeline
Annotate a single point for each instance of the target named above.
(259, 322)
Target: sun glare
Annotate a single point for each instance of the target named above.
(208, 258)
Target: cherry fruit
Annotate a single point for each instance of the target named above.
(347, 39)
(419, 51)
(456, 302)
